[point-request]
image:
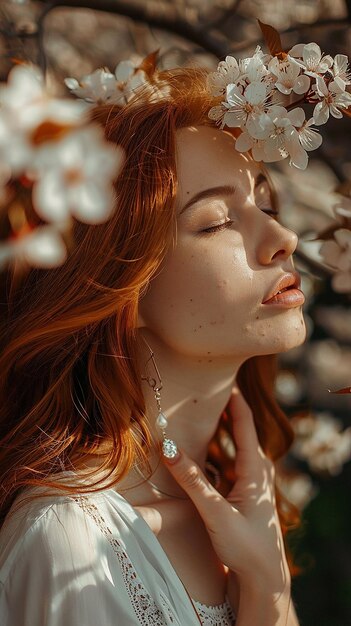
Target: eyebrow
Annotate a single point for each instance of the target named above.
(221, 190)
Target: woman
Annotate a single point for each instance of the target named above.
(156, 330)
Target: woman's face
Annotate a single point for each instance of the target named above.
(206, 298)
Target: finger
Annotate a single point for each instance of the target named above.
(244, 429)
(191, 478)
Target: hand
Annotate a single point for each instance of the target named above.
(243, 526)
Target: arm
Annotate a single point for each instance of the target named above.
(252, 603)
(253, 607)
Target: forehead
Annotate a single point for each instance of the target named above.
(206, 157)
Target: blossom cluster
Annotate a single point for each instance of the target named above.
(255, 89)
(103, 86)
(53, 161)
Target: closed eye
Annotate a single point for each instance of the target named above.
(221, 226)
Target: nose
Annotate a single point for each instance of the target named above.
(277, 241)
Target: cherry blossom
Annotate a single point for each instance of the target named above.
(26, 111)
(337, 254)
(281, 137)
(288, 76)
(322, 443)
(73, 176)
(239, 73)
(228, 72)
(297, 487)
(341, 72)
(244, 109)
(246, 142)
(333, 97)
(103, 86)
(311, 58)
(254, 68)
(97, 87)
(42, 247)
(26, 103)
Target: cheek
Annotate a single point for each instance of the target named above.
(199, 291)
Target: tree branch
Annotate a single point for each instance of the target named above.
(169, 21)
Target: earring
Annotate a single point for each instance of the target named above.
(169, 447)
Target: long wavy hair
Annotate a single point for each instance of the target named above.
(69, 375)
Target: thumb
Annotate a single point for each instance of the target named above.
(194, 482)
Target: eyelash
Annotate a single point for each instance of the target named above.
(225, 225)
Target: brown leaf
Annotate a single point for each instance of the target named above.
(347, 111)
(345, 390)
(148, 65)
(272, 39)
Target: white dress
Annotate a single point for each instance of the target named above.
(91, 560)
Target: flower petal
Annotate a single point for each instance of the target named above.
(321, 113)
(302, 84)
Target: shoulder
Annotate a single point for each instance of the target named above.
(55, 556)
(58, 530)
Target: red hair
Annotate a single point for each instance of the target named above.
(69, 374)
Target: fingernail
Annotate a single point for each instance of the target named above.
(170, 450)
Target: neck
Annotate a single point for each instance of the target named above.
(194, 392)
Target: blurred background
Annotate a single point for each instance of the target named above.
(72, 39)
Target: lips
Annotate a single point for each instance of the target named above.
(288, 281)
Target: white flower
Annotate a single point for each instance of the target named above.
(227, 73)
(28, 113)
(254, 68)
(309, 138)
(129, 77)
(246, 142)
(312, 60)
(25, 86)
(102, 86)
(42, 247)
(297, 487)
(333, 97)
(74, 176)
(288, 76)
(244, 109)
(239, 73)
(281, 137)
(337, 254)
(98, 87)
(341, 72)
(324, 446)
(26, 103)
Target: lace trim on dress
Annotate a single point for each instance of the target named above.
(145, 608)
(218, 615)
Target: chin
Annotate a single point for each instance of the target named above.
(294, 337)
